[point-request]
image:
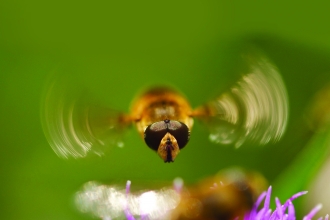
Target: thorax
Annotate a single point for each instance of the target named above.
(159, 104)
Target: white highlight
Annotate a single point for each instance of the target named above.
(111, 202)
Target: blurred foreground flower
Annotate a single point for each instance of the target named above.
(107, 202)
(111, 202)
(229, 194)
(285, 211)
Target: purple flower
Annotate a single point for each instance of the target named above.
(109, 202)
(282, 212)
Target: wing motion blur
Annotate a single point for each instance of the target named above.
(254, 110)
(73, 125)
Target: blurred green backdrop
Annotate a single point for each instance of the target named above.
(117, 49)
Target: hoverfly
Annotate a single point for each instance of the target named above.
(255, 110)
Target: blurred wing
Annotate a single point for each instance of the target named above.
(73, 126)
(254, 110)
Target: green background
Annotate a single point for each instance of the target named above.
(119, 48)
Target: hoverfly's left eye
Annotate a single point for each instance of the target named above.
(154, 133)
(180, 131)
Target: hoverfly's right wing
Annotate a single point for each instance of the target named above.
(73, 125)
(254, 110)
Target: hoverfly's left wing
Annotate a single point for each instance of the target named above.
(254, 110)
(73, 125)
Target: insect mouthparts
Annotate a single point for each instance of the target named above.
(169, 149)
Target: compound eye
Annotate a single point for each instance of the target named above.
(180, 131)
(154, 133)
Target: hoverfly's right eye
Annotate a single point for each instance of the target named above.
(154, 133)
